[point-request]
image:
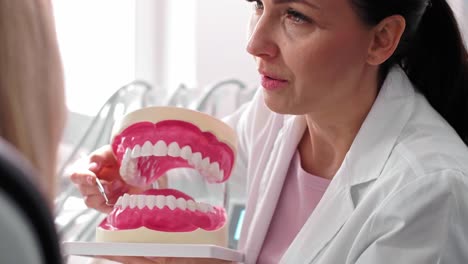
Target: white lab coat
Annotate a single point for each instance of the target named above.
(400, 196)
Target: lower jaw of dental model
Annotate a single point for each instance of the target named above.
(149, 142)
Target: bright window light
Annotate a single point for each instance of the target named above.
(97, 43)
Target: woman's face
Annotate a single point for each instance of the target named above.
(310, 54)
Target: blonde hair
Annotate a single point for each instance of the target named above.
(31, 86)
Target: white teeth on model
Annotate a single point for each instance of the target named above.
(136, 152)
(125, 160)
(203, 207)
(191, 205)
(141, 202)
(122, 171)
(160, 201)
(127, 155)
(119, 201)
(128, 169)
(125, 200)
(205, 163)
(186, 152)
(150, 202)
(173, 150)
(196, 160)
(131, 168)
(147, 149)
(213, 171)
(171, 202)
(160, 149)
(181, 203)
(133, 201)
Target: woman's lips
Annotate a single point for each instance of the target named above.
(272, 84)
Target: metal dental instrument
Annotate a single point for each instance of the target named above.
(102, 191)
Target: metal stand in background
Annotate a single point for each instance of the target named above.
(213, 93)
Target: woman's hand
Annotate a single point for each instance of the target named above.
(100, 164)
(146, 260)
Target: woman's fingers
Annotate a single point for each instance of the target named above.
(97, 202)
(87, 190)
(85, 181)
(103, 156)
(104, 164)
(83, 177)
(93, 198)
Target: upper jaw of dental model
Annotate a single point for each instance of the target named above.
(153, 140)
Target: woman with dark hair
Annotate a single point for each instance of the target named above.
(354, 149)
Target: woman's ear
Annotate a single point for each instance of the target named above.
(385, 40)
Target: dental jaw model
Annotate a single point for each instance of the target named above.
(148, 143)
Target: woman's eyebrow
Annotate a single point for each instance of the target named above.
(309, 3)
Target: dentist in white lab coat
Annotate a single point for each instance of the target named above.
(371, 96)
(398, 169)
(400, 195)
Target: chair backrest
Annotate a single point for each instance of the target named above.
(27, 229)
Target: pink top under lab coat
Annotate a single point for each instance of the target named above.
(301, 192)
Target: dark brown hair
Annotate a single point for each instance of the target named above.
(431, 52)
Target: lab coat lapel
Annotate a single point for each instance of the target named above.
(363, 163)
(269, 188)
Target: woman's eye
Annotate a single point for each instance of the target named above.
(297, 17)
(258, 4)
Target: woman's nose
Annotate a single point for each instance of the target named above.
(261, 40)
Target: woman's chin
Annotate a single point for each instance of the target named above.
(280, 106)
(275, 104)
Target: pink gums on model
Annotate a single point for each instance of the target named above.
(152, 167)
(164, 219)
(185, 134)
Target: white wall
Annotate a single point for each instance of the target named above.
(97, 43)
(221, 39)
(194, 42)
(150, 42)
(180, 60)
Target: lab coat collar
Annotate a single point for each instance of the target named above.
(380, 130)
(363, 163)
(271, 183)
